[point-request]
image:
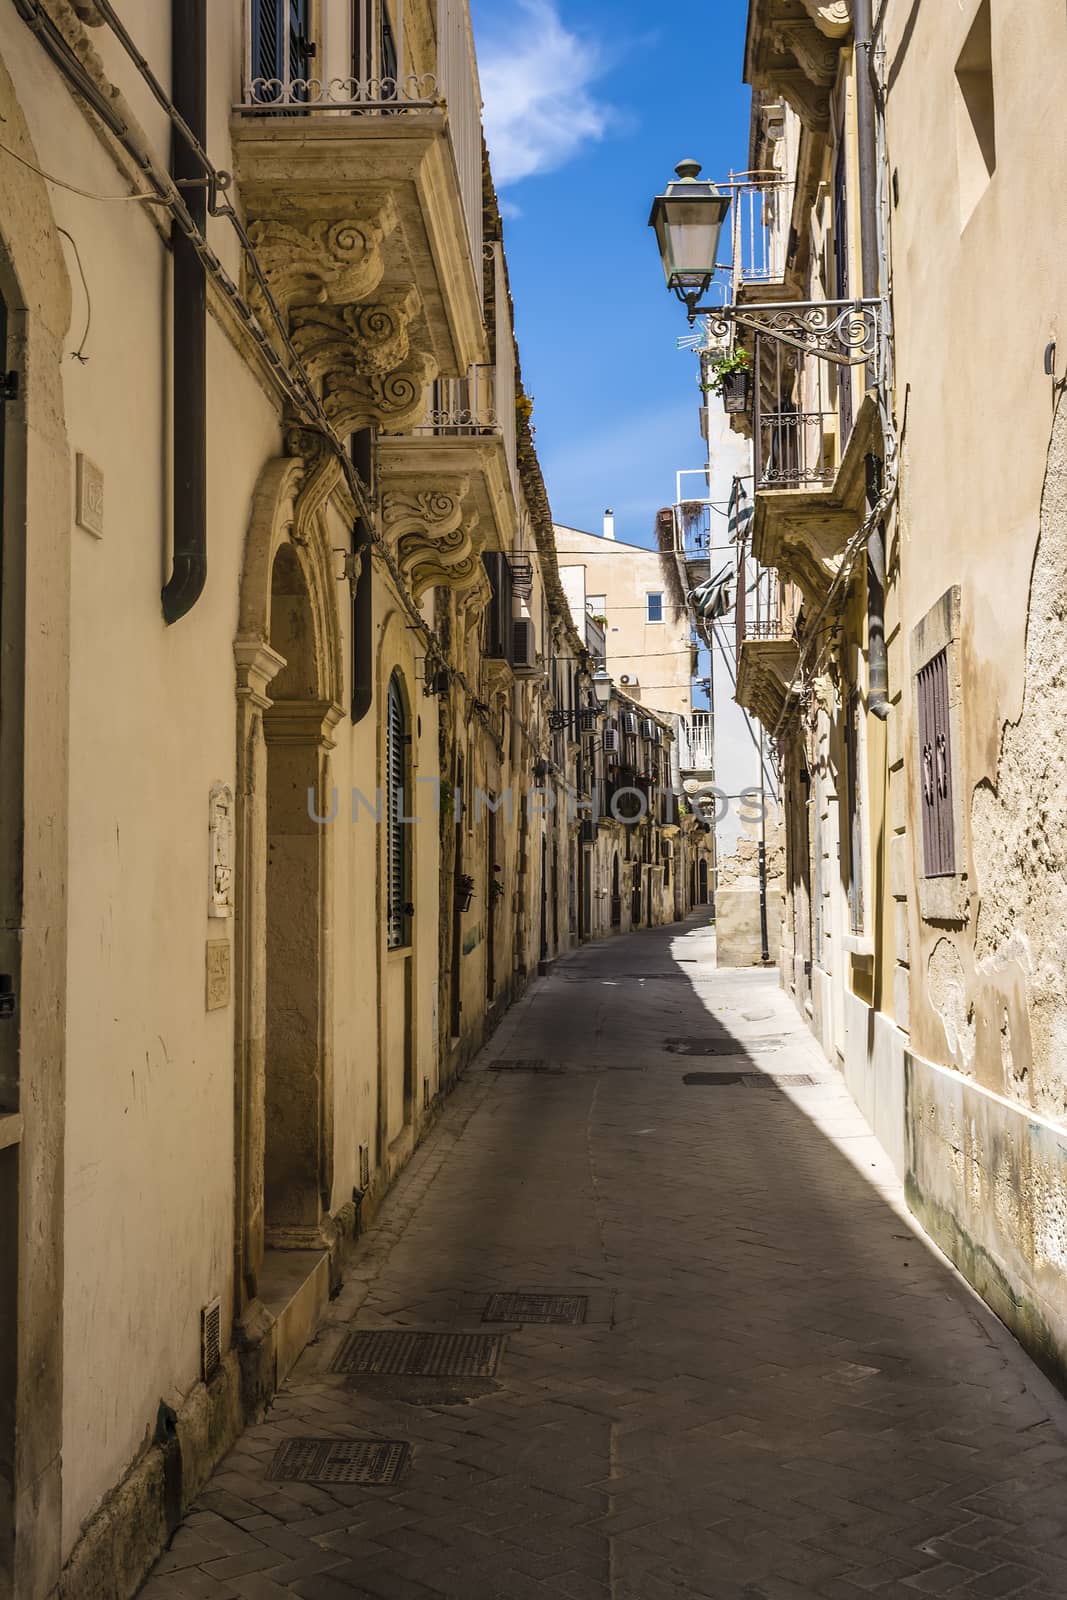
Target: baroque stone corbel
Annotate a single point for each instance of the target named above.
(309, 263)
(815, 54)
(322, 475)
(392, 401)
(374, 334)
(409, 507)
(452, 561)
(472, 600)
(831, 17)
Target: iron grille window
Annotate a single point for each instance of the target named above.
(281, 46)
(655, 606)
(398, 844)
(935, 755)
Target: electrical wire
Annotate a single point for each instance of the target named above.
(72, 188)
(77, 355)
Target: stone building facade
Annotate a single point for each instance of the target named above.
(283, 649)
(907, 662)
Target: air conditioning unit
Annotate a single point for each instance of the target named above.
(647, 725)
(629, 722)
(657, 733)
(523, 647)
(611, 739)
(625, 678)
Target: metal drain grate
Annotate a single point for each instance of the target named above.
(751, 1080)
(535, 1308)
(525, 1064)
(418, 1355)
(340, 1460)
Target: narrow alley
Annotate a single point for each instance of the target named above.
(765, 1384)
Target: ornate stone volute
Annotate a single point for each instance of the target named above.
(312, 262)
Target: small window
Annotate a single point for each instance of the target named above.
(976, 131)
(654, 603)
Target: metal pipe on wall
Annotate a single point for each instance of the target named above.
(877, 660)
(189, 321)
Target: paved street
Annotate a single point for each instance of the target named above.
(779, 1391)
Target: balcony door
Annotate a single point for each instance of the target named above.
(375, 58)
(281, 48)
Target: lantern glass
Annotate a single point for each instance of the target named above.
(688, 219)
(602, 686)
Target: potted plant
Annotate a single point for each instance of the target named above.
(464, 891)
(731, 377)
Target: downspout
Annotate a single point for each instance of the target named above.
(362, 589)
(877, 661)
(188, 320)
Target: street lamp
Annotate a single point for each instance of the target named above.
(602, 687)
(688, 219)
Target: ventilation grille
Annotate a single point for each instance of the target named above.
(210, 1340)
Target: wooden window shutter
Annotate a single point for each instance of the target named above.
(935, 770)
(396, 829)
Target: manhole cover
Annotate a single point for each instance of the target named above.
(750, 1080)
(340, 1460)
(418, 1355)
(535, 1308)
(525, 1065)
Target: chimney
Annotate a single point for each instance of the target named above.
(609, 524)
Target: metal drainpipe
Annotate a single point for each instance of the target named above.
(877, 662)
(363, 593)
(189, 322)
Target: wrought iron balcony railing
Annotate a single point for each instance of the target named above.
(696, 742)
(760, 221)
(803, 408)
(461, 407)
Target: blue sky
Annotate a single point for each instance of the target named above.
(589, 105)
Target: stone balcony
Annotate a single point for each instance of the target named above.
(363, 195)
(802, 531)
(766, 669)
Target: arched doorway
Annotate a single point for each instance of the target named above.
(289, 678)
(616, 894)
(293, 1088)
(635, 897)
(702, 873)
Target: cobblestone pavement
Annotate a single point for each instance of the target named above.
(780, 1391)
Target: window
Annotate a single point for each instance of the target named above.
(976, 133)
(938, 781)
(398, 838)
(935, 755)
(654, 605)
(281, 47)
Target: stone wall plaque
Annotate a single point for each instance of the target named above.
(217, 967)
(89, 496)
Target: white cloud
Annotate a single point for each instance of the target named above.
(536, 80)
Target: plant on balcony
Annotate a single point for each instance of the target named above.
(464, 891)
(730, 375)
